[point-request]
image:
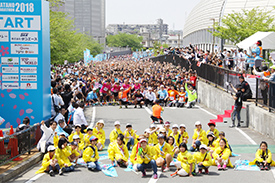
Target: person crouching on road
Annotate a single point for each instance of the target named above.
(100, 133)
(118, 151)
(163, 153)
(199, 137)
(115, 132)
(221, 156)
(203, 159)
(145, 159)
(75, 153)
(91, 156)
(51, 163)
(192, 96)
(129, 136)
(263, 157)
(123, 97)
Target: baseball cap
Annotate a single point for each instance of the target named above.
(76, 137)
(167, 123)
(203, 146)
(116, 123)
(211, 123)
(121, 88)
(182, 125)
(74, 143)
(101, 121)
(162, 130)
(175, 126)
(128, 125)
(77, 126)
(51, 148)
(197, 123)
(160, 136)
(152, 126)
(93, 138)
(142, 140)
(211, 134)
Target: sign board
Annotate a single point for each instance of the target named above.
(24, 61)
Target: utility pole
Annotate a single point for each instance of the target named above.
(213, 46)
(178, 40)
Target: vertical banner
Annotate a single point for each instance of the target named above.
(24, 61)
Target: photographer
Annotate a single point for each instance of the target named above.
(238, 97)
(247, 93)
(56, 102)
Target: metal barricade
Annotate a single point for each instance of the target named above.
(265, 94)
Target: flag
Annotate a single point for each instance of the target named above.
(2, 120)
(198, 64)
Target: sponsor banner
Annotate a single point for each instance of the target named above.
(24, 36)
(28, 86)
(28, 78)
(6, 86)
(10, 61)
(10, 70)
(4, 36)
(24, 49)
(28, 69)
(13, 22)
(28, 61)
(10, 77)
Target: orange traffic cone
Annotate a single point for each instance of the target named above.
(13, 145)
(11, 130)
(2, 146)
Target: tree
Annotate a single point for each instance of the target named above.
(235, 27)
(67, 44)
(124, 40)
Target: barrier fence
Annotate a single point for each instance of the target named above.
(16, 144)
(221, 77)
(265, 95)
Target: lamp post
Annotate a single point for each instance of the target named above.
(213, 46)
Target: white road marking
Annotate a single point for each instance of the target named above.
(93, 117)
(35, 178)
(273, 171)
(238, 129)
(148, 110)
(152, 180)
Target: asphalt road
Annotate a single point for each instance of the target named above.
(140, 119)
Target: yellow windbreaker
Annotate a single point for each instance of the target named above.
(100, 134)
(184, 135)
(153, 138)
(145, 157)
(259, 158)
(186, 160)
(128, 134)
(198, 157)
(176, 137)
(217, 142)
(90, 155)
(201, 136)
(118, 152)
(166, 148)
(169, 132)
(114, 134)
(73, 151)
(87, 139)
(55, 141)
(46, 162)
(81, 136)
(224, 154)
(216, 132)
(64, 154)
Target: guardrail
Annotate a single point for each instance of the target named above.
(265, 94)
(17, 144)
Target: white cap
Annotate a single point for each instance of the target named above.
(182, 125)
(147, 130)
(203, 146)
(152, 126)
(116, 123)
(175, 126)
(121, 88)
(197, 123)
(161, 85)
(101, 121)
(51, 148)
(142, 140)
(150, 88)
(162, 130)
(76, 137)
(94, 89)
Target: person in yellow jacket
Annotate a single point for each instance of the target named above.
(145, 158)
(167, 128)
(163, 153)
(115, 132)
(88, 135)
(185, 162)
(91, 156)
(75, 154)
(129, 136)
(211, 143)
(80, 144)
(183, 134)
(263, 157)
(217, 141)
(203, 159)
(100, 134)
(221, 156)
(153, 137)
(176, 134)
(199, 137)
(118, 151)
(171, 141)
(212, 128)
(51, 162)
(80, 141)
(63, 152)
(56, 138)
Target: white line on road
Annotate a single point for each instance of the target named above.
(273, 171)
(35, 178)
(148, 110)
(239, 130)
(152, 180)
(93, 117)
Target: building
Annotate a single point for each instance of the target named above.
(202, 17)
(89, 17)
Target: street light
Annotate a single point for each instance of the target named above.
(213, 46)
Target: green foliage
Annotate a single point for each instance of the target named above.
(159, 47)
(67, 44)
(124, 40)
(238, 26)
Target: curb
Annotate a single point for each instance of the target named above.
(15, 171)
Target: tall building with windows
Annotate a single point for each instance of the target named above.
(88, 15)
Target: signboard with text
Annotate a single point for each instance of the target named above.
(24, 61)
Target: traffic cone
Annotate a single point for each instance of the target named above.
(13, 145)
(11, 130)
(2, 146)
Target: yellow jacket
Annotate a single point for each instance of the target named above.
(153, 138)
(169, 132)
(166, 149)
(148, 155)
(118, 152)
(258, 157)
(186, 160)
(184, 135)
(198, 157)
(202, 136)
(87, 139)
(176, 137)
(89, 155)
(128, 134)
(64, 154)
(55, 141)
(73, 151)
(217, 142)
(100, 134)
(213, 146)
(216, 132)
(46, 162)
(81, 136)
(224, 154)
(114, 134)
